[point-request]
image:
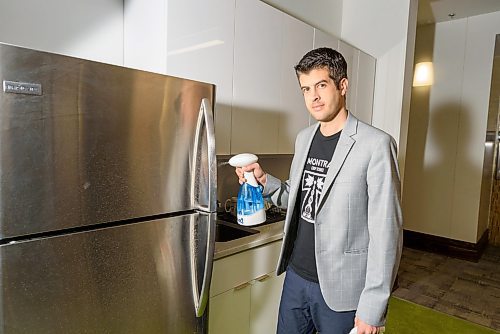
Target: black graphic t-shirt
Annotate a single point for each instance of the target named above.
(303, 260)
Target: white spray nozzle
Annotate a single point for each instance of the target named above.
(242, 160)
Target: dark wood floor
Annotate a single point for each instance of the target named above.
(467, 290)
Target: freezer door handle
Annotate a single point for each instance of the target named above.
(204, 172)
(201, 295)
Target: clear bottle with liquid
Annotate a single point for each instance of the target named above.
(250, 204)
(250, 209)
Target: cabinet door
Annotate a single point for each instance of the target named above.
(265, 300)
(144, 35)
(322, 39)
(351, 56)
(200, 37)
(231, 271)
(293, 116)
(366, 85)
(360, 72)
(256, 86)
(229, 312)
(85, 29)
(239, 283)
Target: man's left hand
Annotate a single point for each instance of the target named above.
(364, 328)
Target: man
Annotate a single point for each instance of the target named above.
(343, 229)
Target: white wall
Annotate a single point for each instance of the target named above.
(91, 29)
(325, 15)
(481, 33)
(376, 25)
(447, 129)
(385, 29)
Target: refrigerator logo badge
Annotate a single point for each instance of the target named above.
(22, 88)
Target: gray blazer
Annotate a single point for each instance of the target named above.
(358, 227)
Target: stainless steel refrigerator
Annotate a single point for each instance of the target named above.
(107, 197)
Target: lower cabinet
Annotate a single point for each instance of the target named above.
(246, 292)
(229, 312)
(264, 303)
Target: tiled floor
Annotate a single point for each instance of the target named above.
(467, 290)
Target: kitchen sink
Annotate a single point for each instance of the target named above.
(225, 231)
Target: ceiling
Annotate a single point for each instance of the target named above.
(432, 11)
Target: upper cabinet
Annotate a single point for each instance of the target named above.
(268, 109)
(360, 73)
(365, 85)
(361, 76)
(297, 41)
(248, 49)
(200, 37)
(90, 29)
(144, 41)
(322, 39)
(258, 36)
(189, 39)
(351, 56)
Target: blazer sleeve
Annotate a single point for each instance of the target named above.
(277, 191)
(385, 232)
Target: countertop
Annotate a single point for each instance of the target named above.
(267, 233)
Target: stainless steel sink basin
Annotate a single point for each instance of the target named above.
(228, 231)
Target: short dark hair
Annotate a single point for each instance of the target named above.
(327, 58)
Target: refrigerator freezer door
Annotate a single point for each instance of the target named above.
(86, 143)
(139, 278)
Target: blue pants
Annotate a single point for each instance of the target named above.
(304, 311)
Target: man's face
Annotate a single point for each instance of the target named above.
(323, 99)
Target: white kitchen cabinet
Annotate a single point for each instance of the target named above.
(265, 300)
(256, 77)
(144, 42)
(268, 109)
(251, 307)
(189, 39)
(245, 292)
(365, 86)
(248, 50)
(361, 75)
(229, 312)
(322, 39)
(293, 115)
(90, 30)
(351, 56)
(360, 72)
(200, 36)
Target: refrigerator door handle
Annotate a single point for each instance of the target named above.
(204, 154)
(201, 296)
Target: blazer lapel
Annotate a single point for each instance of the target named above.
(341, 151)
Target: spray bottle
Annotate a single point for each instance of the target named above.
(250, 204)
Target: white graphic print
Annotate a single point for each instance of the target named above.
(312, 185)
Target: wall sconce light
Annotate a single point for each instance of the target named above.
(424, 74)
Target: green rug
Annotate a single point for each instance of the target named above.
(407, 317)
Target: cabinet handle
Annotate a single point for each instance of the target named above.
(241, 286)
(263, 278)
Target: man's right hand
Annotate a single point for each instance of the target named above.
(259, 174)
